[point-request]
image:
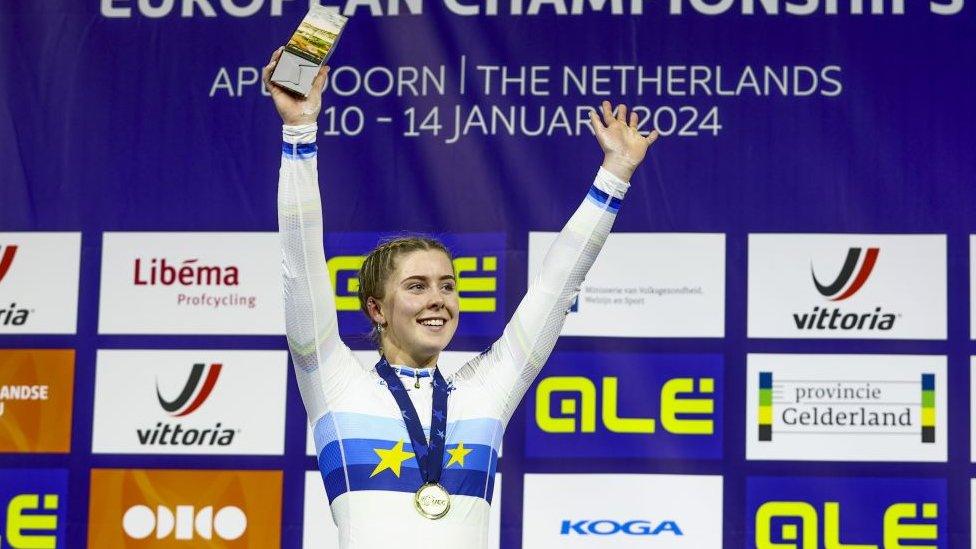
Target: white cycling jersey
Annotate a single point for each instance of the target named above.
(364, 450)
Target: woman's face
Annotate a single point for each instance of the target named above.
(420, 311)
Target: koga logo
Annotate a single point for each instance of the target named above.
(158, 272)
(845, 285)
(32, 521)
(186, 523)
(604, 527)
(679, 414)
(346, 300)
(806, 534)
(195, 392)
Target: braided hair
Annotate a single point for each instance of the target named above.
(380, 265)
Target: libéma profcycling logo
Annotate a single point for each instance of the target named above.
(195, 392)
(845, 285)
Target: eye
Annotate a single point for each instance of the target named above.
(415, 286)
(448, 287)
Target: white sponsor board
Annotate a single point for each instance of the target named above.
(846, 408)
(972, 511)
(647, 285)
(606, 511)
(190, 402)
(191, 283)
(972, 412)
(320, 531)
(449, 362)
(39, 282)
(972, 294)
(847, 286)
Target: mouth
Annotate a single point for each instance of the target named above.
(434, 324)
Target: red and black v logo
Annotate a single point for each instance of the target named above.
(6, 259)
(846, 273)
(183, 405)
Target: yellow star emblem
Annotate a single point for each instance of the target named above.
(391, 459)
(457, 455)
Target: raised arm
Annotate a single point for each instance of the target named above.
(508, 368)
(323, 364)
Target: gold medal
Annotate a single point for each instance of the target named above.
(432, 501)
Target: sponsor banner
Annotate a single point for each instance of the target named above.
(862, 513)
(662, 511)
(647, 285)
(479, 263)
(39, 282)
(190, 402)
(846, 407)
(972, 411)
(972, 512)
(320, 531)
(613, 405)
(159, 508)
(33, 508)
(449, 362)
(191, 283)
(36, 392)
(847, 286)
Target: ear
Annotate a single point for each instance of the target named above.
(375, 313)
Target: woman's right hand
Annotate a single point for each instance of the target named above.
(294, 109)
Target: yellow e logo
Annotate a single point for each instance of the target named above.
(673, 403)
(18, 522)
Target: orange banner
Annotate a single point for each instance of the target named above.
(184, 509)
(36, 391)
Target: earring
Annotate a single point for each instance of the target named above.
(379, 328)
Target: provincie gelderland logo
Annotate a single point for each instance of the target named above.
(858, 266)
(195, 392)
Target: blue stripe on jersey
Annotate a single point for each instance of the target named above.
(460, 482)
(362, 452)
(483, 431)
(603, 199)
(302, 151)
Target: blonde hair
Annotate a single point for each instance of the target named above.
(381, 263)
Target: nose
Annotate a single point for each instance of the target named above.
(436, 301)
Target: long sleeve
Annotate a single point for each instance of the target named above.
(323, 363)
(509, 367)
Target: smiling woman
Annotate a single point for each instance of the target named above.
(407, 463)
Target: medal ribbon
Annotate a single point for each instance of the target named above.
(430, 457)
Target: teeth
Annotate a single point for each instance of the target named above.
(433, 322)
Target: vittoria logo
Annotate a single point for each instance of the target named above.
(12, 315)
(195, 391)
(6, 259)
(845, 285)
(178, 407)
(832, 290)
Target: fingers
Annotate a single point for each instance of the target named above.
(622, 113)
(595, 122)
(269, 68)
(318, 83)
(607, 113)
(633, 120)
(652, 137)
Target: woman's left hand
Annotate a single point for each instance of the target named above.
(623, 146)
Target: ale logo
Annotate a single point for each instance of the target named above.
(182, 405)
(832, 291)
(32, 521)
(185, 523)
(7, 259)
(801, 524)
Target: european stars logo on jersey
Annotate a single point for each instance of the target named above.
(391, 459)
